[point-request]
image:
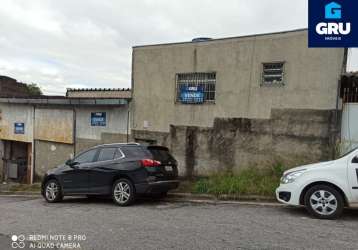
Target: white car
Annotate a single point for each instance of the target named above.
(323, 188)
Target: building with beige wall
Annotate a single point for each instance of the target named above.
(267, 99)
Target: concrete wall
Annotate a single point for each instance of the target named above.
(50, 154)
(311, 77)
(106, 138)
(290, 137)
(11, 114)
(249, 124)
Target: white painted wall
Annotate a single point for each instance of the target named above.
(116, 122)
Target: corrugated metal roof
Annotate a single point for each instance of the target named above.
(98, 89)
(62, 100)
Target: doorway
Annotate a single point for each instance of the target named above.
(17, 162)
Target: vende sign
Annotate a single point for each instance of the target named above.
(332, 23)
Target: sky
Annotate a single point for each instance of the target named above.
(88, 43)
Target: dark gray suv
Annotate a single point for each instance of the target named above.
(120, 170)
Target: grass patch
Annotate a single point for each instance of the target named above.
(247, 182)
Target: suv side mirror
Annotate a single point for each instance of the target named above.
(71, 163)
(355, 159)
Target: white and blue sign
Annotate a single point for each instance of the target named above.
(19, 128)
(192, 95)
(98, 119)
(332, 23)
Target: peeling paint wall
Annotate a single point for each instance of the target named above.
(291, 137)
(55, 136)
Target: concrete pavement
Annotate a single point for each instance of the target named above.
(151, 224)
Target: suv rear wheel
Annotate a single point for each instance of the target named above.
(324, 202)
(123, 192)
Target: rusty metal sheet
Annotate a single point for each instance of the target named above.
(54, 125)
(7, 133)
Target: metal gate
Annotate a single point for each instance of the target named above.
(349, 95)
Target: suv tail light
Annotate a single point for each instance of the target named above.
(147, 163)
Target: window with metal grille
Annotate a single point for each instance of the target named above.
(273, 74)
(204, 81)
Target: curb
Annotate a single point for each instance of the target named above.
(253, 200)
(221, 202)
(19, 193)
(224, 197)
(187, 197)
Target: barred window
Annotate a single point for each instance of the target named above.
(205, 81)
(272, 74)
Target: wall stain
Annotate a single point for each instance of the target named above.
(291, 137)
(190, 147)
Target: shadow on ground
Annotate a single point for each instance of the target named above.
(348, 213)
(106, 200)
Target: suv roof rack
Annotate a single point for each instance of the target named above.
(119, 143)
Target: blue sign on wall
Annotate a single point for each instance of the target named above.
(332, 23)
(191, 95)
(98, 119)
(19, 128)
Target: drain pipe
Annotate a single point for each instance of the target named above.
(74, 134)
(33, 151)
(336, 120)
(128, 125)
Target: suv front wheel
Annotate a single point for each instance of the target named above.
(53, 191)
(324, 202)
(123, 192)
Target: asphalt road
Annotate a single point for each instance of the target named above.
(171, 225)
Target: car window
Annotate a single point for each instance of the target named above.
(160, 154)
(118, 154)
(86, 157)
(134, 152)
(106, 154)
